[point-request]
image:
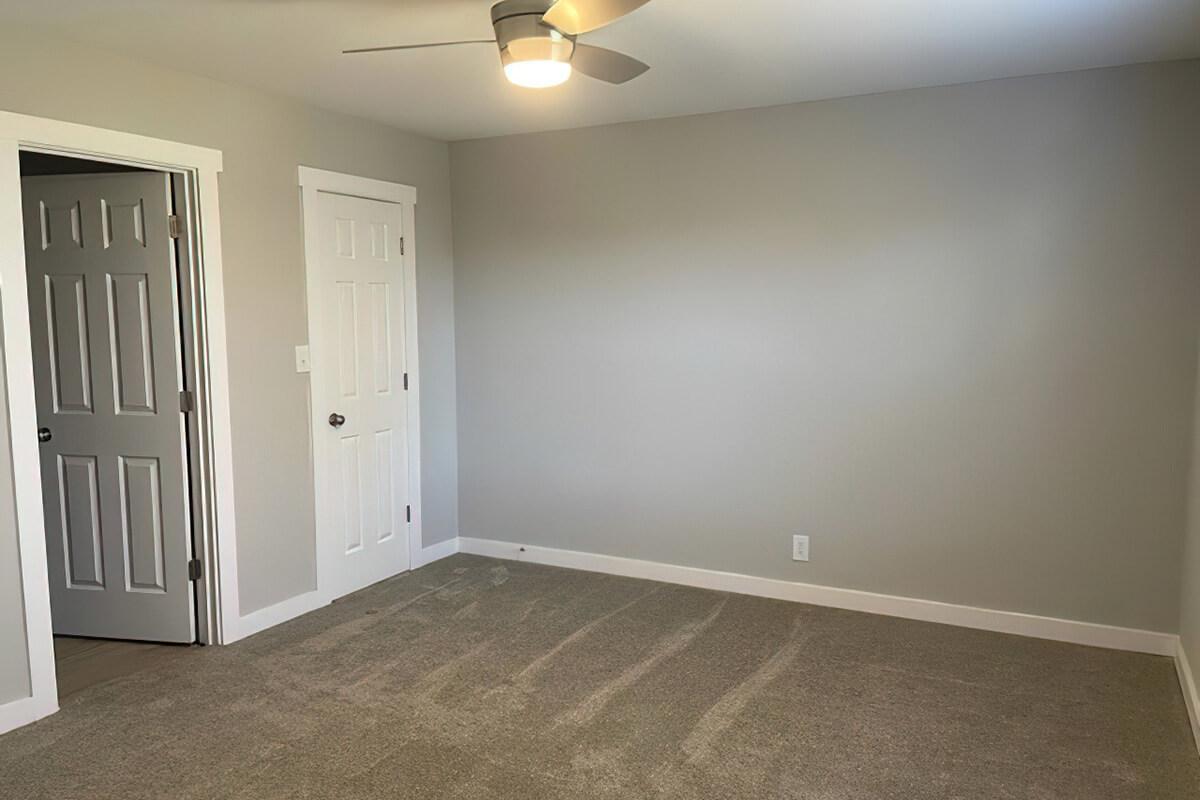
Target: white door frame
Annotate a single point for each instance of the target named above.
(218, 546)
(312, 181)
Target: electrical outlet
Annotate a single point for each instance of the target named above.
(799, 548)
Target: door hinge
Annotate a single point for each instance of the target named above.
(408, 513)
(195, 570)
(406, 381)
(187, 402)
(401, 245)
(173, 226)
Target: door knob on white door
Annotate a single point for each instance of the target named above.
(336, 420)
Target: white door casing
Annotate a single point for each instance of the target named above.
(360, 399)
(105, 331)
(200, 167)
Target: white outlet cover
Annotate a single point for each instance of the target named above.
(303, 364)
(800, 548)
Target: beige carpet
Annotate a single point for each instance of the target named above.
(475, 678)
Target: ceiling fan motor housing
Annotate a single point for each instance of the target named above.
(537, 41)
(522, 36)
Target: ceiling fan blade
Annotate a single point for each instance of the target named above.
(606, 65)
(417, 46)
(580, 16)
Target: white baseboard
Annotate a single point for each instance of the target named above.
(26, 710)
(1063, 630)
(271, 616)
(1187, 683)
(297, 606)
(436, 552)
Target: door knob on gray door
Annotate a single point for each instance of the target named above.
(44, 435)
(336, 420)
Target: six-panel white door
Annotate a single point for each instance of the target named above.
(359, 392)
(103, 309)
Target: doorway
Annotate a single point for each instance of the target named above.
(194, 174)
(107, 280)
(361, 275)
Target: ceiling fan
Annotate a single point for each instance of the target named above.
(537, 40)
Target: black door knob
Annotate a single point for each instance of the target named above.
(336, 420)
(44, 435)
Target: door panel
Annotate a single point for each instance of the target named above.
(381, 337)
(79, 502)
(352, 493)
(70, 355)
(105, 331)
(358, 364)
(131, 346)
(141, 515)
(384, 511)
(347, 339)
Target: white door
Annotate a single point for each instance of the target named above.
(359, 392)
(103, 310)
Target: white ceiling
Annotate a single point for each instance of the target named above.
(705, 55)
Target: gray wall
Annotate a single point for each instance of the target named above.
(949, 333)
(1189, 612)
(264, 139)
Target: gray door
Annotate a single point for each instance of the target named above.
(103, 310)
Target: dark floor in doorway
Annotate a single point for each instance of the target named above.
(81, 663)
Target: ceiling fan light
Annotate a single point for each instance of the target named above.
(537, 74)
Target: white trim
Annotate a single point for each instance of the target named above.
(220, 406)
(297, 606)
(279, 613)
(27, 474)
(1187, 682)
(1062, 630)
(340, 183)
(313, 181)
(436, 552)
(19, 131)
(412, 364)
(26, 710)
(106, 145)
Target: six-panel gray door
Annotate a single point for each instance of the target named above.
(106, 347)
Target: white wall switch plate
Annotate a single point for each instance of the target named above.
(302, 362)
(799, 548)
